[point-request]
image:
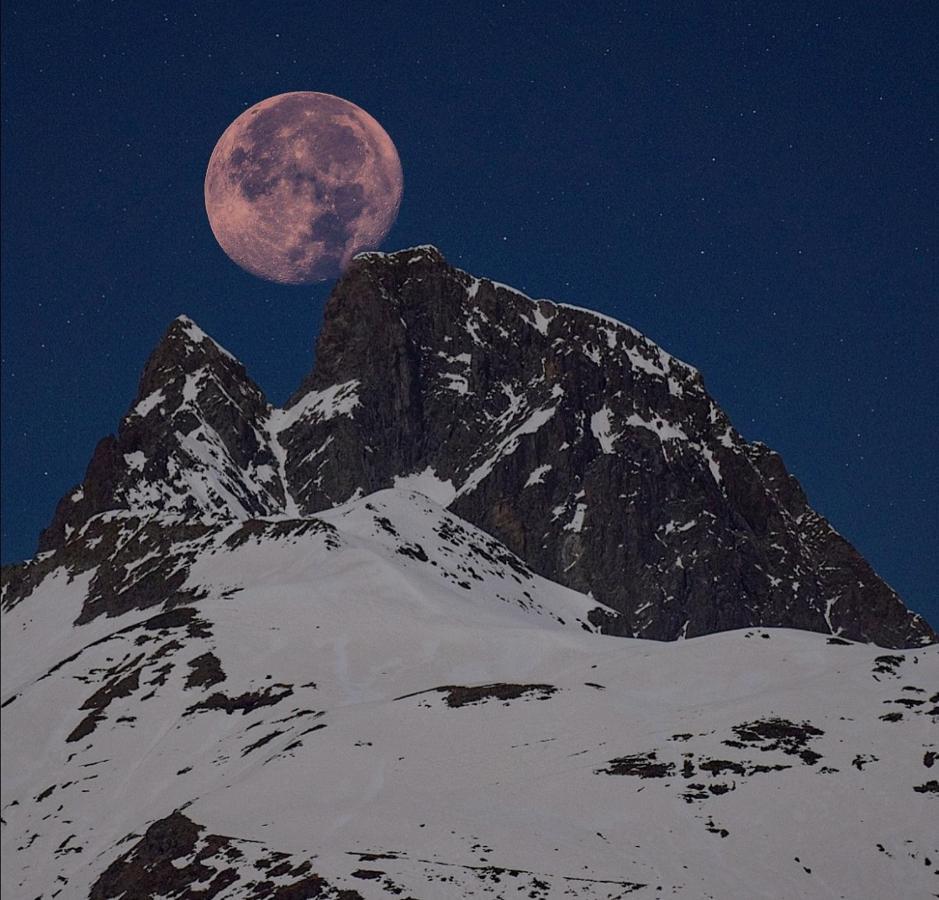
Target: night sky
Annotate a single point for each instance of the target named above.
(752, 185)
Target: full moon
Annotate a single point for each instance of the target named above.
(300, 183)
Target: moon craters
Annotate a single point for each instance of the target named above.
(300, 183)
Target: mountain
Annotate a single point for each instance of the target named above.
(581, 445)
(371, 645)
(383, 701)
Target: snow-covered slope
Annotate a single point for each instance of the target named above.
(384, 701)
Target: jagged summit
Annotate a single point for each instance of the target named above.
(184, 348)
(409, 254)
(428, 254)
(194, 442)
(592, 453)
(581, 444)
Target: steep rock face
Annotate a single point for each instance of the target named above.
(592, 453)
(589, 451)
(194, 442)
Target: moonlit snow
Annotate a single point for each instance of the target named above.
(385, 689)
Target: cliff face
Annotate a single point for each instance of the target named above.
(580, 444)
(583, 446)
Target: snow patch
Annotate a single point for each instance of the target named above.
(576, 524)
(136, 460)
(537, 476)
(336, 400)
(602, 428)
(592, 353)
(713, 466)
(665, 431)
(674, 528)
(149, 403)
(428, 484)
(507, 446)
(454, 382)
(541, 320)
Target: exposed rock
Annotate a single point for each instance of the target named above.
(459, 695)
(243, 703)
(206, 671)
(591, 453)
(194, 442)
(174, 855)
(643, 765)
(778, 734)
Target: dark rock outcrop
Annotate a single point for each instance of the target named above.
(590, 452)
(586, 449)
(193, 443)
(175, 853)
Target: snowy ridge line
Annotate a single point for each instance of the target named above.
(196, 334)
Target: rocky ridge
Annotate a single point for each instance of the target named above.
(590, 452)
(219, 680)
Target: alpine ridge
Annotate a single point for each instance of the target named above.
(585, 448)
(372, 644)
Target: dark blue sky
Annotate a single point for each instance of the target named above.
(752, 185)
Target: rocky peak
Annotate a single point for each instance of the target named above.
(195, 442)
(182, 350)
(591, 452)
